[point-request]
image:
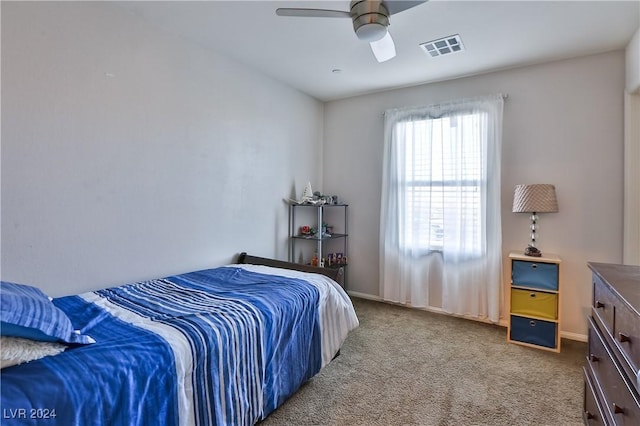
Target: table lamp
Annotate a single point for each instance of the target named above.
(534, 199)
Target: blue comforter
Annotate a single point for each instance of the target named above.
(221, 346)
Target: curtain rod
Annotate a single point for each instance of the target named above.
(504, 96)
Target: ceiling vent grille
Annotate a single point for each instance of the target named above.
(443, 46)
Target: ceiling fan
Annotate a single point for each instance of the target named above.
(370, 21)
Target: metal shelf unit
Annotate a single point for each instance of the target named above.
(321, 241)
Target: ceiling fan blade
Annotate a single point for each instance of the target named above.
(312, 13)
(384, 49)
(395, 6)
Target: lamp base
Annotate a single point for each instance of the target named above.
(532, 251)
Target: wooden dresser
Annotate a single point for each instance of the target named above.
(612, 376)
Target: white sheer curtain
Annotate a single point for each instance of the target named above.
(440, 213)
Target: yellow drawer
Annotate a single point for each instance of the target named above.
(534, 303)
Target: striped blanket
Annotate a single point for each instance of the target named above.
(224, 346)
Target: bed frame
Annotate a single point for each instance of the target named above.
(336, 274)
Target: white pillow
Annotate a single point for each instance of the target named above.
(14, 350)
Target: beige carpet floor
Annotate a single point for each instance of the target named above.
(412, 367)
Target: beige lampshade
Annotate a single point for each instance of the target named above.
(539, 198)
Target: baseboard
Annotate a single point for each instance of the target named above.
(503, 322)
(364, 296)
(573, 336)
(428, 308)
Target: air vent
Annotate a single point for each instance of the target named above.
(443, 46)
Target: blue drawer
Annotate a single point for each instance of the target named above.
(543, 276)
(536, 332)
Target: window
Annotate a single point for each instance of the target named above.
(441, 194)
(441, 180)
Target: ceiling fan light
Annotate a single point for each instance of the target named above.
(372, 31)
(384, 49)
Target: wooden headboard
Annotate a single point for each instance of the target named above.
(336, 274)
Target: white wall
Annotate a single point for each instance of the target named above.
(130, 154)
(631, 246)
(563, 124)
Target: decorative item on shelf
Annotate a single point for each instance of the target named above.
(314, 260)
(305, 230)
(325, 230)
(314, 198)
(331, 199)
(337, 259)
(308, 197)
(307, 194)
(321, 199)
(534, 199)
(340, 259)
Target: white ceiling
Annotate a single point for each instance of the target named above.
(302, 52)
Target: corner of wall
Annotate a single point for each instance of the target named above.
(633, 64)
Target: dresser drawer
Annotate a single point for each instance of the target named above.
(534, 303)
(535, 332)
(593, 413)
(627, 336)
(538, 275)
(604, 301)
(619, 399)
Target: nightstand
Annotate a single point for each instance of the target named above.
(534, 301)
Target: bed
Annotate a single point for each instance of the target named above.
(222, 346)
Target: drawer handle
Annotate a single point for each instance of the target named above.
(593, 358)
(617, 409)
(599, 304)
(532, 295)
(534, 266)
(532, 323)
(588, 415)
(623, 338)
